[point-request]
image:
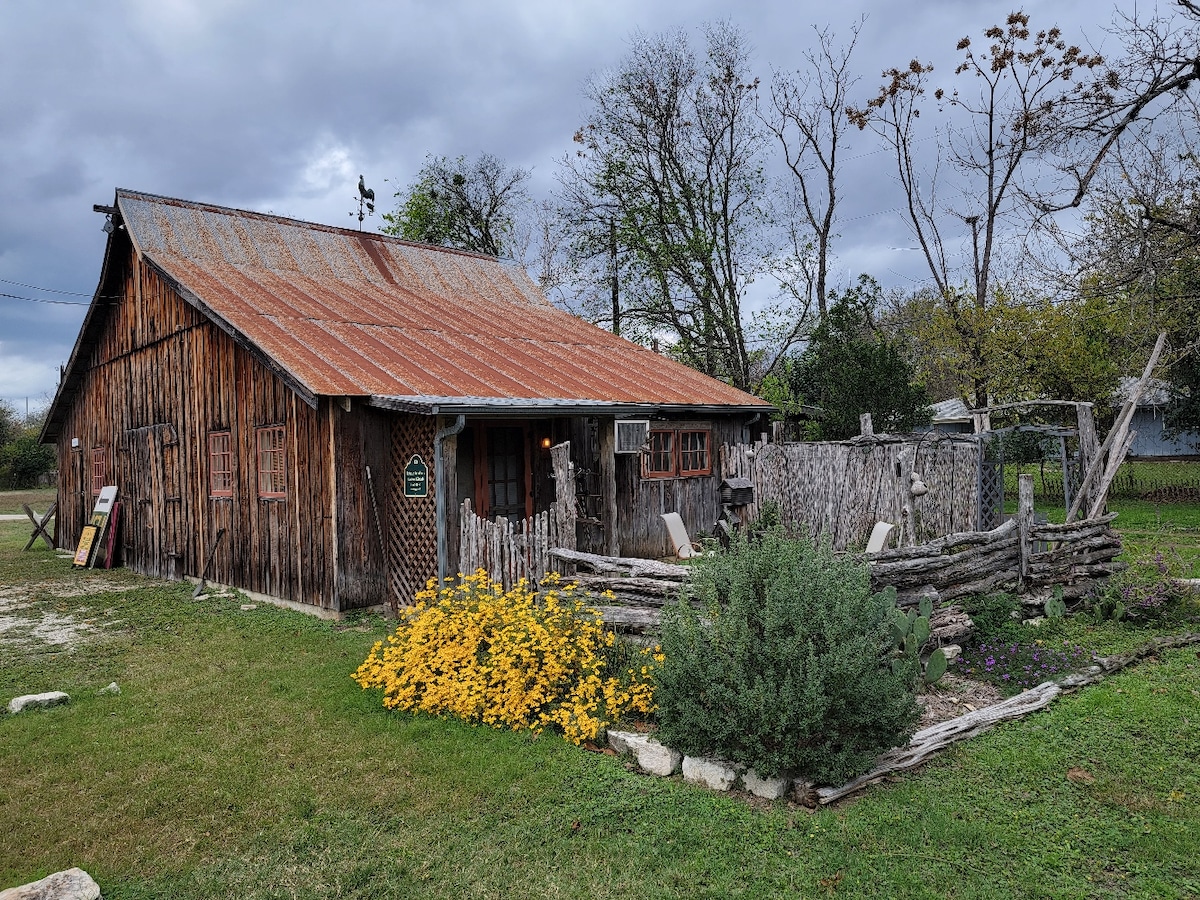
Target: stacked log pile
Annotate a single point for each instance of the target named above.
(1079, 557)
(638, 588)
(958, 565)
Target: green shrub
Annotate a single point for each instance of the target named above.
(993, 617)
(788, 668)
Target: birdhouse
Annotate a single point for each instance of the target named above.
(737, 491)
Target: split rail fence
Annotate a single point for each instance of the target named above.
(1021, 556)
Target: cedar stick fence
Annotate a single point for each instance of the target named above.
(838, 490)
(512, 551)
(1021, 555)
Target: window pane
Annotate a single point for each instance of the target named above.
(660, 456)
(694, 453)
(272, 478)
(220, 464)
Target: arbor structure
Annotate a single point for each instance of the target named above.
(668, 186)
(468, 205)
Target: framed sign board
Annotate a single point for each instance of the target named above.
(92, 536)
(416, 478)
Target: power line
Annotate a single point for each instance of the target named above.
(44, 290)
(44, 300)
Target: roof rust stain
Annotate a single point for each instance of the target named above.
(347, 313)
(377, 258)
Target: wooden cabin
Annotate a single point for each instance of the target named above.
(302, 387)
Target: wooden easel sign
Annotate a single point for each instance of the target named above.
(91, 538)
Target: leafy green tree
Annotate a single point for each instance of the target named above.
(467, 205)
(669, 191)
(22, 459)
(1139, 256)
(851, 367)
(9, 423)
(1074, 348)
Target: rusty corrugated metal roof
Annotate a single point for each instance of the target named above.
(349, 313)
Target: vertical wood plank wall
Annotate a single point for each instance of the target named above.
(159, 362)
(642, 501)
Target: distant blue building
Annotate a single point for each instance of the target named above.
(1148, 422)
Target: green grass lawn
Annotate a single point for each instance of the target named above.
(39, 498)
(240, 760)
(1145, 525)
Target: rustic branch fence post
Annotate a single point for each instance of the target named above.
(1024, 528)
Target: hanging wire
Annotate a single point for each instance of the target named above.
(44, 290)
(44, 300)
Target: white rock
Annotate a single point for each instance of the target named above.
(767, 788)
(112, 688)
(246, 607)
(713, 773)
(618, 740)
(952, 651)
(73, 884)
(652, 756)
(33, 701)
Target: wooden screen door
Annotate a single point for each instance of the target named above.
(152, 526)
(503, 458)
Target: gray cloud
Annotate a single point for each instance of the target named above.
(280, 107)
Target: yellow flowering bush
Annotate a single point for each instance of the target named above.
(515, 659)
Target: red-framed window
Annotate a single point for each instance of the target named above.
(658, 461)
(220, 464)
(694, 456)
(272, 457)
(672, 453)
(99, 469)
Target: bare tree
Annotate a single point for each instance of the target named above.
(1160, 63)
(807, 116)
(668, 178)
(997, 126)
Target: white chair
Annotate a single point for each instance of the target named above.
(879, 536)
(685, 547)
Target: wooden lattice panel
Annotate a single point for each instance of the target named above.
(412, 521)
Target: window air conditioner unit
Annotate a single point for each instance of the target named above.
(632, 435)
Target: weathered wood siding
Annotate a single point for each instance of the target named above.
(362, 439)
(642, 501)
(839, 490)
(159, 379)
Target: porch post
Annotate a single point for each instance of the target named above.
(608, 486)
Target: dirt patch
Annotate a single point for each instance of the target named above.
(26, 624)
(954, 696)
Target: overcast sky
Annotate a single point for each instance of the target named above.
(280, 106)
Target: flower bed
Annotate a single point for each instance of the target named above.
(516, 659)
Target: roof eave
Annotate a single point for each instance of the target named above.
(52, 427)
(515, 407)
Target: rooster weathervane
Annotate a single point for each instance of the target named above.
(366, 199)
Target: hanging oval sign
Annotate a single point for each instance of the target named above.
(416, 478)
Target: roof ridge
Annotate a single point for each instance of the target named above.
(304, 223)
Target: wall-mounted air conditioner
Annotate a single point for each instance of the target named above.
(632, 435)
